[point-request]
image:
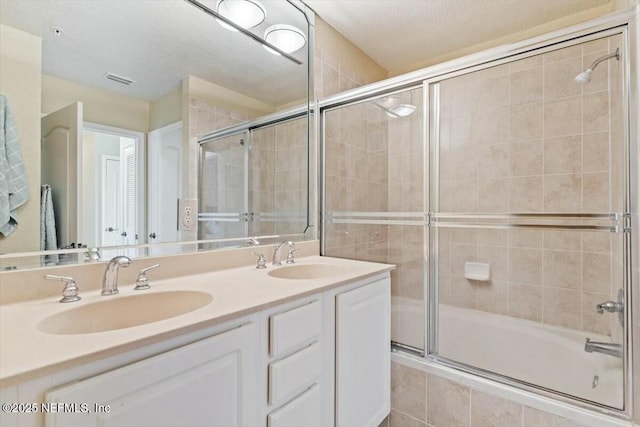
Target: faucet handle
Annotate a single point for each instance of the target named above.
(70, 291)
(92, 254)
(290, 259)
(610, 306)
(142, 282)
(262, 262)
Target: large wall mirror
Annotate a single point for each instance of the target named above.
(111, 100)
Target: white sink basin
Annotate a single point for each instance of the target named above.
(307, 271)
(118, 312)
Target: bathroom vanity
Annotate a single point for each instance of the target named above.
(300, 345)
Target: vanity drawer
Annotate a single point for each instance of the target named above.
(294, 373)
(303, 411)
(294, 327)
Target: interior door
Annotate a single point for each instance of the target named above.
(164, 182)
(62, 131)
(111, 212)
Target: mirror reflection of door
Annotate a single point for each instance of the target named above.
(61, 131)
(165, 183)
(111, 186)
(110, 223)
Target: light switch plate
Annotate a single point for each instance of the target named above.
(187, 214)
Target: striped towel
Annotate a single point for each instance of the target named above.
(14, 191)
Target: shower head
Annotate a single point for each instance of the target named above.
(585, 76)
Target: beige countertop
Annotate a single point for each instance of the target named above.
(25, 350)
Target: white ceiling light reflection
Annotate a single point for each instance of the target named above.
(287, 38)
(245, 13)
(393, 107)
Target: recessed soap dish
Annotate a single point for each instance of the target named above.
(477, 271)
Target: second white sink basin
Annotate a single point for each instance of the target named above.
(119, 312)
(307, 271)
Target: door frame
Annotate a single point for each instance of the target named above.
(141, 173)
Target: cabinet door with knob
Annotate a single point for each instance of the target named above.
(363, 360)
(207, 383)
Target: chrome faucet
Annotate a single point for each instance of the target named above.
(608, 348)
(110, 280)
(276, 252)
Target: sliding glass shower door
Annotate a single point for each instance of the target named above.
(374, 205)
(527, 224)
(254, 183)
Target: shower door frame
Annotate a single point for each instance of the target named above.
(246, 130)
(618, 221)
(625, 22)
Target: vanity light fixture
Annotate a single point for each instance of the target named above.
(286, 37)
(245, 13)
(237, 23)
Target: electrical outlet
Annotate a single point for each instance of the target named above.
(187, 214)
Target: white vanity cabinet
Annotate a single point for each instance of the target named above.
(317, 360)
(207, 383)
(363, 337)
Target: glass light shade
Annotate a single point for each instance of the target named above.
(388, 103)
(245, 13)
(287, 38)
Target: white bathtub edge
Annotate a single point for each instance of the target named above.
(504, 391)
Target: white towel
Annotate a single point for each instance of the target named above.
(48, 238)
(14, 191)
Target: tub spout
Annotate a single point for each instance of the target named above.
(603, 347)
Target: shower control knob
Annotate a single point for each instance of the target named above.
(610, 306)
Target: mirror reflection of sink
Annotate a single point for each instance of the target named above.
(121, 312)
(307, 271)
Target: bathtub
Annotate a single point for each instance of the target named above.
(542, 355)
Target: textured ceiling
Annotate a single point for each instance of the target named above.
(157, 43)
(399, 33)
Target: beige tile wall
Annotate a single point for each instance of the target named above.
(278, 176)
(420, 399)
(356, 151)
(524, 137)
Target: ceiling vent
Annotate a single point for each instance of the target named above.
(119, 79)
